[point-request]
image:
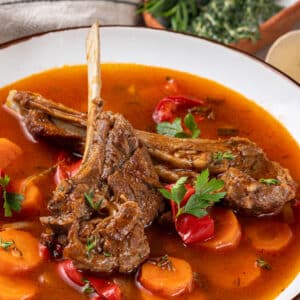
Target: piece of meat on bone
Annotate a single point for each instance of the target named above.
(99, 215)
(175, 157)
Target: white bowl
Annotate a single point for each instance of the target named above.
(253, 78)
(285, 54)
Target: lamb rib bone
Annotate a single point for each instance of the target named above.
(173, 157)
(117, 175)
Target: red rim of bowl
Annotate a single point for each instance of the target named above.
(25, 38)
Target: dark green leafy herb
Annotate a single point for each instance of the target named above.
(6, 245)
(175, 128)
(90, 245)
(263, 264)
(205, 194)
(89, 197)
(87, 288)
(11, 201)
(219, 156)
(221, 20)
(269, 181)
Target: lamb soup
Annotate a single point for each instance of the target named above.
(253, 258)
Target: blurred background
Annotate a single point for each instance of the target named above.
(249, 25)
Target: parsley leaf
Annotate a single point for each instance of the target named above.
(190, 123)
(269, 181)
(175, 129)
(205, 194)
(107, 254)
(89, 197)
(11, 201)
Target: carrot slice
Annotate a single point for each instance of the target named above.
(234, 269)
(21, 253)
(32, 198)
(9, 151)
(16, 289)
(167, 281)
(227, 230)
(270, 236)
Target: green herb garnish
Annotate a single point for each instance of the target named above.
(6, 245)
(89, 197)
(87, 288)
(12, 201)
(219, 156)
(205, 194)
(175, 129)
(263, 264)
(269, 181)
(90, 245)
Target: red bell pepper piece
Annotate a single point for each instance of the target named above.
(66, 267)
(66, 167)
(168, 108)
(105, 289)
(191, 229)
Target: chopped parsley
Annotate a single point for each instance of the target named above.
(219, 156)
(6, 245)
(11, 201)
(263, 264)
(89, 197)
(175, 129)
(87, 288)
(90, 245)
(162, 262)
(269, 181)
(205, 194)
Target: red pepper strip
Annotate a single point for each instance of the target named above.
(191, 229)
(168, 108)
(68, 268)
(105, 289)
(65, 168)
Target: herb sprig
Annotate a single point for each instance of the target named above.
(175, 129)
(219, 156)
(11, 201)
(206, 194)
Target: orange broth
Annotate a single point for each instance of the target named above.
(134, 90)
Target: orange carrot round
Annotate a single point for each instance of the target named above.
(170, 278)
(234, 269)
(32, 198)
(270, 236)
(16, 288)
(9, 151)
(227, 230)
(18, 252)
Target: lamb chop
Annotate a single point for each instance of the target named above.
(173, 157)
(99, 215)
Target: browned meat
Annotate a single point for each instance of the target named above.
(99, 215)
(175, 157)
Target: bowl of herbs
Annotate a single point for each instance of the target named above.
(243, 24)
